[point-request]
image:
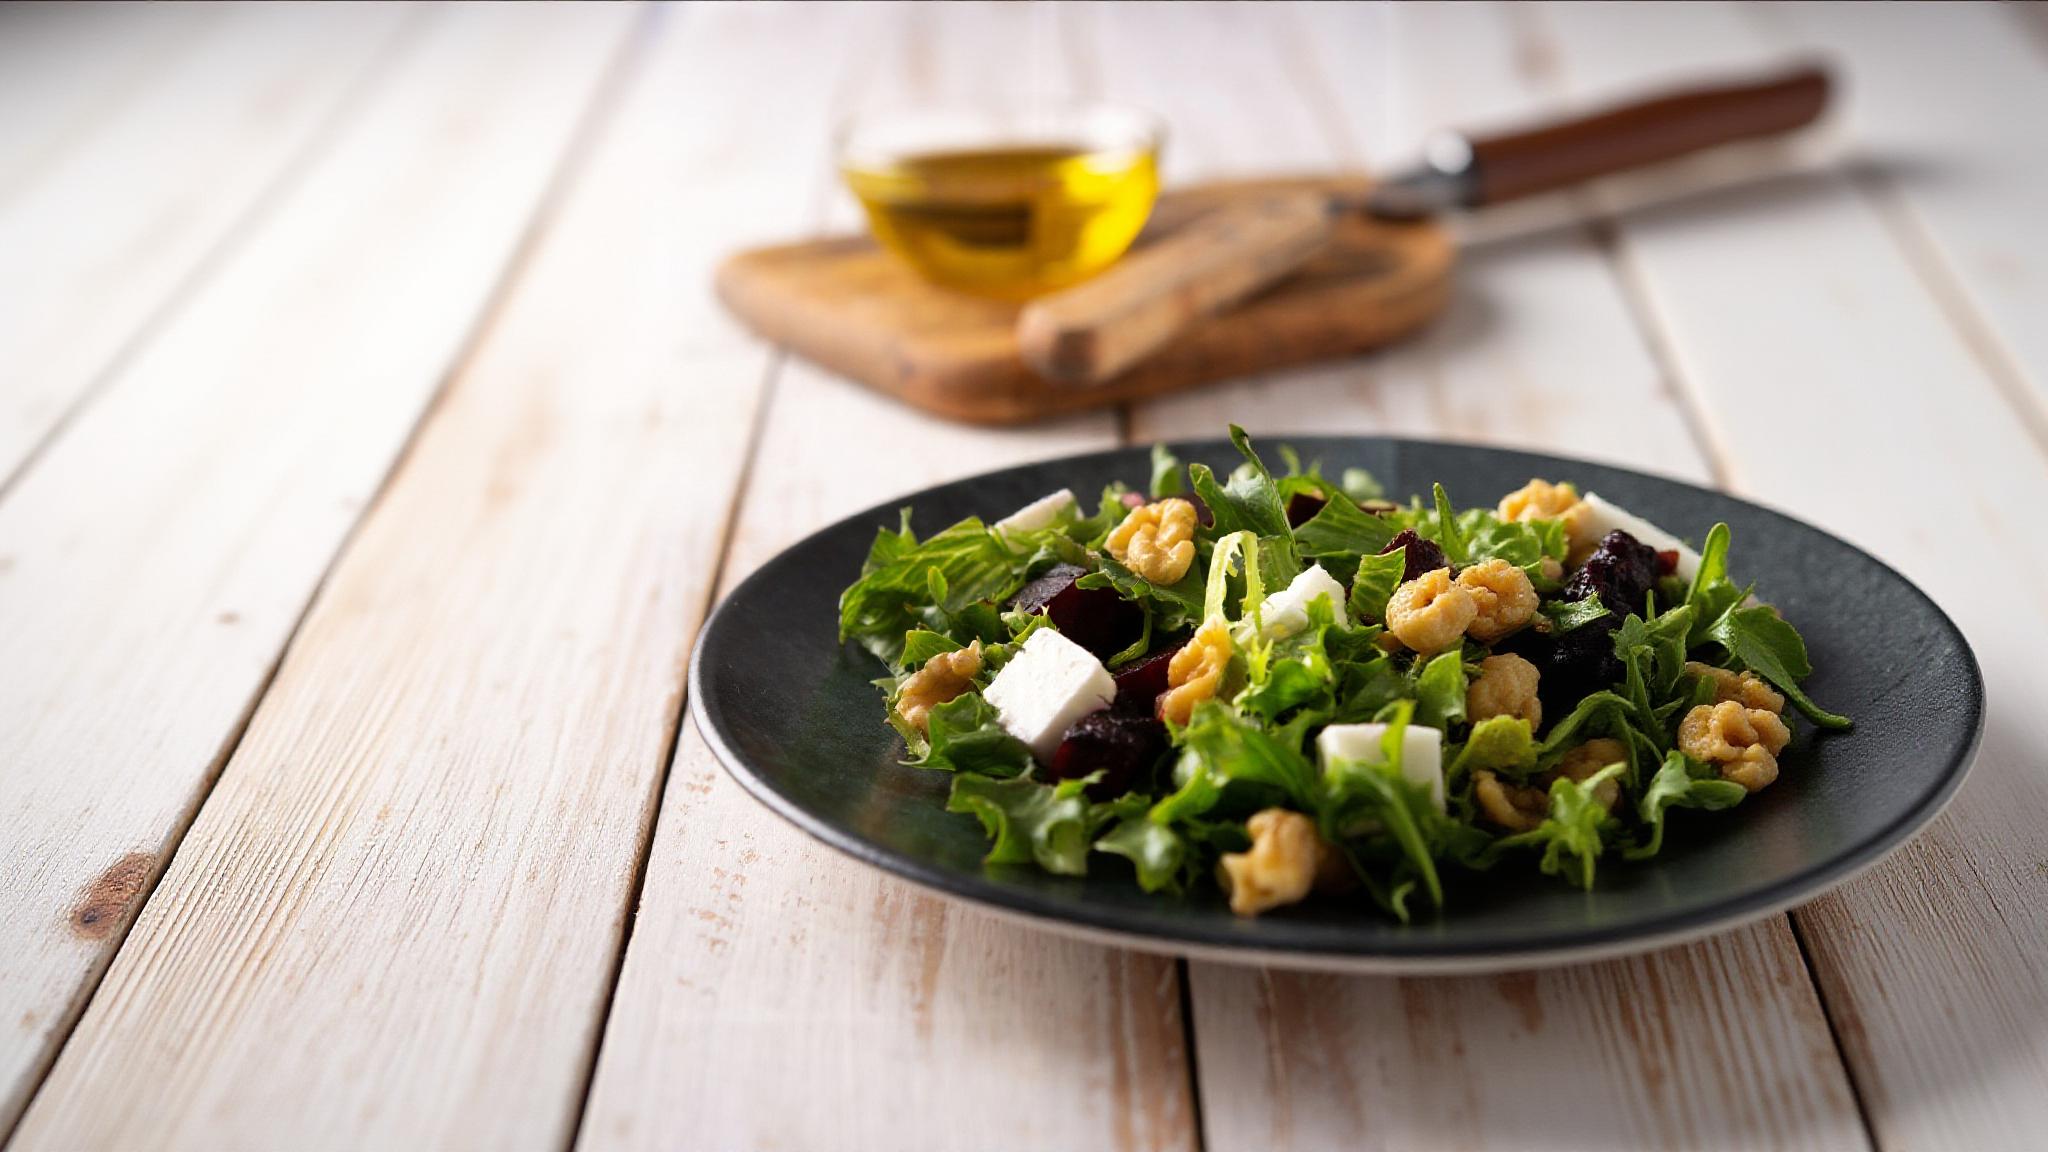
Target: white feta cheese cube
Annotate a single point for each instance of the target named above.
(1050, 683)
(1040, 513)
(1422, 752)
(1604, 516)
(1285, 612)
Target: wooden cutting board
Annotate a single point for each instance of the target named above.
(854, 308)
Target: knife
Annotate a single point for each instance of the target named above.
(1094, 331)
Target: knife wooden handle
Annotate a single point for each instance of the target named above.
(1516, 164)
(1093, 331)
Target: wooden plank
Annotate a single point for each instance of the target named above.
(1718, 1044)
(1933, 97)
(1799, 292)
(156, 558)
(65, 68)
(777, 995)
(109, 237)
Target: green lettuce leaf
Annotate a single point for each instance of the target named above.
(1440, 691)
(1341, 528)
(1374, 585)
(921, 644)
(1250, 502)
(1155, 850)
(962, 565)
(1166, 479)
(964, 735)
(1173, 607)
(1028, 821)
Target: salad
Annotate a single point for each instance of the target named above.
(1288, 685)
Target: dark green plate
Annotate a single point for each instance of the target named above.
(794, 718)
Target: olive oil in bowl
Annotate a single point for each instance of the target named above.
(1009, 221)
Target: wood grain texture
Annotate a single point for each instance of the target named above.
(1719, 1044)
(1801, 292)
(454, 768)
(1698, 1047)
(157, 556)
(111, 227)
(777, 995)
(1933, 95)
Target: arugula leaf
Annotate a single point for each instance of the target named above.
(1570, 835)
(1712, 593)
(1440, 691)
(1154, 849)
(1758, 640)
(1680, 783)
(965, 735)
(1566, 615)
(1374, 585)
(1377, 794)
(1449, 536)
(964, 564)
(1341, 528)
(1165, 473)
(1598, 714)
(1497, 744)
(1028, 821)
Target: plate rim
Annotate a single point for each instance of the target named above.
(1669, 929)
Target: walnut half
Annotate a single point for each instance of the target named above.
(1743, 743)
(1287, 858)
(1157, 541)
(942, 678)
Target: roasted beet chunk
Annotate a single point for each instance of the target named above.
(1620, 572)
(1423, 555)
(1571, 666)
(1302, 507)
(1034, 596)
(1140, 683)
(1124, 748)
(1667, 562)
(1095, 618)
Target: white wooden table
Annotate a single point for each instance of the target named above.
(371, 449)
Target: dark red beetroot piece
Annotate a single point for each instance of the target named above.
(1570, 666)
(1667, 562)
(1423, 555)
(1621, 571)
(1095, 618)
(1302, 508)
(1124, 748)
(1140, 684)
